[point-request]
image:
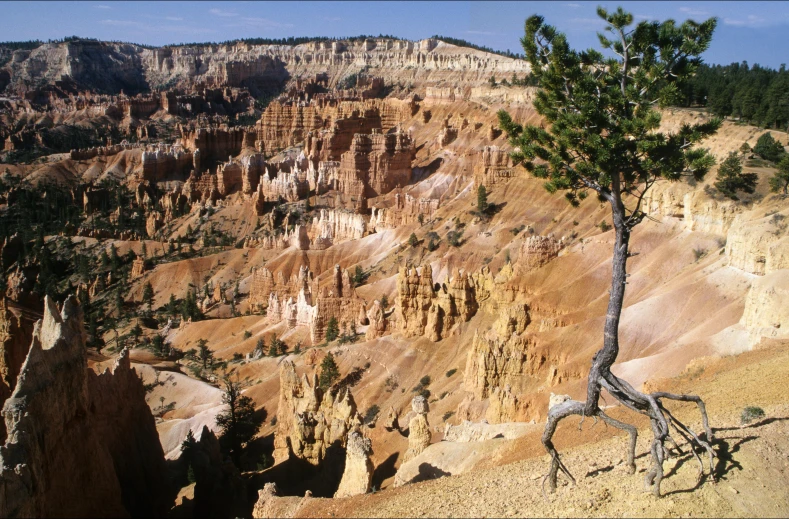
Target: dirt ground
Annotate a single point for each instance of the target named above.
(752, 466)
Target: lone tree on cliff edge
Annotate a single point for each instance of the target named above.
(604, 137)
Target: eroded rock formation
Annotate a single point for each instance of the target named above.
(431, 311)
(418, 429)
(358, 467)
(79, 444)
(309, 420)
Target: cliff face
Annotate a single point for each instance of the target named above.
(78, 444)
(310, 421)
(431, 311)
(112, 67)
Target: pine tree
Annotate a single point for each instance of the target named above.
(603, 136)
(768, 148)
(172, 306)
(329, 372)
(780, 180)
(332, 329)
(482, 199)
(205, 355)
(731, 179)
(147, 294)
(413, 241)
(239, 423)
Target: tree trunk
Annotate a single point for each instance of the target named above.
(600, 377)
(606, 356)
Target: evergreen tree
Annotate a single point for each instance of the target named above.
(603, 136)
(329, 373)
(768, 148)
(731, 179)
(780, 180)
(172, 306)
(119, 302)
(259, 348)
(332, 329)
(147, 294)
(104, 260)
(205, 355)
(239, 423)
(482, 199)
(114, 260)
(413, 241)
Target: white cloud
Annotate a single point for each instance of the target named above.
(332, 18)
(573, 5)
(484, 33)
(750, 21)
(101, 6)
(121, 23)
(645, 17)
(692, 11)
(252, 21)
(173, 18)
(220, 12)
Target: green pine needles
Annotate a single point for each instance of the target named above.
(603, 134)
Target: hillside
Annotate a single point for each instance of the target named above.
(209, 236)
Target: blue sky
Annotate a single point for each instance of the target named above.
(755, 32)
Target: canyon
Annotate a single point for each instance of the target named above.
(210, 237)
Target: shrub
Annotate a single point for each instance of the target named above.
(451, 372)
(424, 381)
(247, 334)
(699, 253)
(751, 413)
(448, 415)
(371, 414)
(604, 226)
(391, 383)
(455, 238)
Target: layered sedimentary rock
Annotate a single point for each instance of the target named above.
(404, 210)
(327, 124)
(79, 444)
(15, 336)
(493, 166)
(289, 186)
(165, 161)
(431, 311)
(358, 467)
(216, 143)
(375, 164)
(301, 302)
(310, 420)
(378, 324)
(418, 429)
(536, 251)
(495, 362)
(332, 226)
(138, 268)
(758, 246)
(766, 311)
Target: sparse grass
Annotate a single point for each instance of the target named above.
(750, 414)
(699, 253)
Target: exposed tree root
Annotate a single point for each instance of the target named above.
(660, 419)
